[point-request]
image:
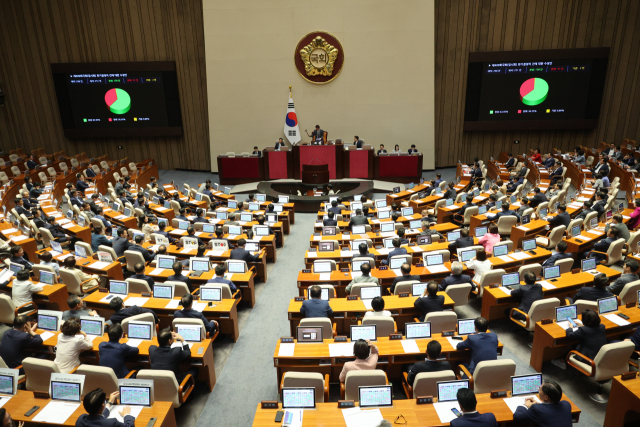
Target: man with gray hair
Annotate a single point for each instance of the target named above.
(427, 231)
(456, 277)
(358, 219)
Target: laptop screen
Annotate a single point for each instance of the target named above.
(365, 332)
(448, 202)
(246, 217)
(388, 243)
(6, 384)
(210, 294)
(92, 327)
(117, 287)
(62, 390)
(500, 250)
(232, 204)
(397, 262)
(551, 272)
(448, 390)
(566, 312)
(221, 215)
(322, 267)
(384, 214)
(235, 267)
(252, 246)
(199, 264)
(295, 397)
(165, 261)
(525, 384)
(418, 330)
(386, 227)
(607, 305)
(80, 251)
(235, 229)
(381, 204)
(283, 199)
(278, 207)
(136, 396)
(453, 236)
(190, 333)
(261, 197)
(498, 204)
(208, 228)
(160, 291)
(482, 210)
(424, 240)
(543, 213)
(183, 225)
(417, 289)
(47, 277)
(467, 255)
(355, 206)
(309, 333)
(47, 322)
(481, 231)
(575, 231)
(262, 231)
(139, 330)
(254, 206)
(510, 279)
(355, 265)
(375, 396)
(588, 264)
(594, 222)
(358, 229)
(329, 231)
(466, 326)
(529, 245)
(370, 292)
(357, 197)
(415, 224)
(407, 211)
(434, 260)
(163, 221)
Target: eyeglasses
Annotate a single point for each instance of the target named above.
(400, 420)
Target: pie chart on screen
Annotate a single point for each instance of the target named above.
(118, 101)
(534, 91)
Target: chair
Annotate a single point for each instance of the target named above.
(404, 286)
(459, 293)
(385, 326)
(466, 218)
(488, 278)
(166, 387)
(38, 372)
(535, 268)
(582, 305)
(137, 286)
(191, 322)
(349, 390)
(307, 380)
(573, 223)
(21, 378)
(505, 223)
(611, 360)
(332, 290)
(543, 205)
(328, 328)
(434, 211)
(37, 268)
(588, 218)
(110, 251)
(15, 171)
(614, 253)
(99, 377)
(180, 289)
(491, 375)
(132, 258)
(442, 321)
(4, 178)
(629, 293)
(565, 265)
(144, 317)
(541, 309)
(73, 280)
(551, 240)
(425, 383)
(632, 244)
(87, 248)
(355, 289)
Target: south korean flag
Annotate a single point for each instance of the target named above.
(291, 130)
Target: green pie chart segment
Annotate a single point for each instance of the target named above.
(534, 91)
(118, 101)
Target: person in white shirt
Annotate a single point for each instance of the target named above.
(23, 288)
(479, 264)
(70, 345)
(378, 308)
(47, 259)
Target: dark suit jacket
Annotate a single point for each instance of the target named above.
(450, 194)
(528, 294)
(358, 144)
(259, 153)
(617, 286)
(358, 220)
(549, 162)
(505, 213)
(591, 294)
(130, 311)
(329, 223)
(315, 307)
(429, 304)
(21, 261)
(591, 339)
(537, 199)
(461, 242)
(240, 253)
(97, 240)
(147, 279)
(545, 414)
(475, 419)
(14, 345)
(81, 186)
(114, 356)
(561, 219)
(337, 210)
(455, 280)
(483, 346)
(121, 244)
(31, 164)
(464, 208)
(556, 257)
(86, 420)
(195, 314)
(394, 252)
(403, 278)
(599, 207)
(181, 278)
(427, 366)
(167, 358)
(148, 256)
(636, 338)
(510, 162)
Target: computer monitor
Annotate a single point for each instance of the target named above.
(543, 213)
(322, 267)
(222, 215)
(396, 189)
(190, 333)
(355, 206)
(57, 247)
(199, 264)
(447, 202)
(499, 204)
(448, 390)
(309, 334)
(397, 263)
(500, 250)
(278, 207)
(235, 230)
(246, 217)
(118, 287)
(466, 326)
(439, 191)
(417, 330)
(386, 227)
(386, 214)
(47, 277)
(198, 197)
(588, 264)
(435, 259)
(526, 219)
(551, 272)
(69, 215)
(375, 396)
(163, 291)
(329, 231)
(355, 244)
(510, 279)
(620, 207)
(423, 240)
(283, 199)
(252, 246)
(165, 261)
(183, 225)
(135, 395)
(80, 251)
(415, 224)
(388, 243)
(452, 236)
(325, 246)
(565, 312)
(358, 229)
(127, 211)
(81, 221)
(407, 211)
(575, 231)
(381, 204)
(481, 231)
(355, 265)
(92, 325)
(8, 384)
(49, 321)
(164, 221)
(365, 332)
(357, 197)
(140, 330)
(232, 204)
(210, 293)
(254, 206)
(529, 245)
(324, 294)
(467, 255)
(370, 292)
(236, 267)
(298, 398)
(525, 384)
(482, 210)
(607, 305)
(594, 222)
(513, 199)
(208, 228)
(65, 390)
(332, 198)
(260, 197)
(417, 289)
(272, 218)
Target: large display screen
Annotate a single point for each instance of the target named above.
(114, 99)
(545, 89)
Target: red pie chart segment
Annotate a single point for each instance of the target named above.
(111, 97)
(534, 91)
(118, 101)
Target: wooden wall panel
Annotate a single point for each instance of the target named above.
(36, 33)
(464, 26)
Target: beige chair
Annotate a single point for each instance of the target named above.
(582, 305)
(21, 378)
(349, 390)
(425, 383)
(328, 328)
(611, 360)
(534, 268)
(87, 248)
(109, 250)
(385, 326)
(632, 243)
(132, 258)
(588, 218)
(37, 268)
(137, 286)
(38, 372)
(468, 213)
(307, 380)
(166, 387)
(404, 286)
(565, 265)
(543, 205)
(613, 254)
(8, 309)
(506, 223)
(144, 317)
(489, 278)
(355, 289)
(225, 290)
(180, 289)
(442, 321)
(491, 375)
(459, 293)
(629, 293)
(574, 223)
(191, 322)
(434, 211)
(73, 280)
(551, 240)
(541, 309)
(99, 377)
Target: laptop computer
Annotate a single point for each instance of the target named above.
(375, 396)
(417, 330)
(364, 332)
(297, 398)
(309, 334)
(448, 390)
(525, 384)
(607, 305)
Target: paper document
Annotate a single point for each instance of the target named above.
(67, 226)
(10, 230)
(316, 238)
(133, 343)
(437, 269)
(114, 412)
(293, 417)
(256, 238)
(215, 253)
(99, 265)
(397, 271)
(286, 349)
(505, 258)
(346, 237)
(547, 285)
(200, 306)
(178, 344)
(325, 276)
(383, 251)
(514, 402)
(360, 418)
(410, 346)
(520, 255)
(63, 257)
(356, 274)
(4, 399)
(454, 343)
(617, 319)
(341, 349)
(174, 303)
(566, 325)
(367, 304)
(139, 301)
(46, 335)
(18, 238)
(56, 412)
(312, 254)
(157, 271)
(346, 253)
(388, 234)
(596, 232)
(522, 228)
(443, 409)
(187, 250)
(505, 290)
(417, 249)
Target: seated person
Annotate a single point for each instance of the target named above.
(98, 239)
(363, 252)
(16, 342)
(629, 274)
(77, 308)
(397, 250)
(506, 211)
(635, 338)
(470, 415)
(405, 269)
(451, 191)
(561, 248)
(88, 280)
(431, 364)
(241, 254)
(528, 293)
(121, 243)
(191, 233)
(98, 411)
(552, 412)
(538, 198)
(23, 288)
(400, 232)
(427, 231)
(479, 264)
(358, 219)
(586, 210)
(366, 354)
(562, 218)
(177, 276)
(199, 217)
(113, 354)
(617, 222)
(365, 268)
(591, 336)
(315, 306)
(168, 358)
(219, 278)
(71, 342)
(18, 257)
(330, 222)
(377, 304)
(211, 326)
(334, 208)
(430, 301)
(483, 344)
(146, 254)
(464, 241)
(469, 204)
(121, 312)
(139, 270)
(456, 277)
(490, 239)
(366, 213)
(595, 292)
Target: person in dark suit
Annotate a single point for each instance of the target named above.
(161, 227)
(120, 243)
(358, 219)
(562, 218)
(528, 293)
(191, 233)
(18, 206)
(451, 191)
(430, 301)
(199, 217)
(600, 203)
(74, 199)
(279, 144)
(93, 203)
(551, 412)
(139, 270)
(592, 336)
(506, 211)
(90, 172)
(57, 234)
(586, 210)
(603, 245)
(177, 276)
(16, 341)
(483, 344)
(165, 357)
(468, 204)
(17, 257)
(105, 222)
(595, 292)
(406, 276)
(31, 163)
(315, 307)
(397, 250)
(510, 161)
(334, 208)
(629, 274)
(99, 239)
(98, 411)
(538, 198)
(113, 354)
(256, 152)
(382, 150)
(240, 253)
(363, 251)
(561, 248)
(413, 149)
(187, 312)
(602, 167)
(81, 185)
(120, 312)
(464, 241)
(219, 278)
(36, 191)
(330, 222)
(431, 364)
(476, 174)
(138, 239)
(357, 142)
(635, 338)
(513, 184)
(456, 277)
(470, 416)
(549, 161)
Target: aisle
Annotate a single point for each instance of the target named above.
(249, 376)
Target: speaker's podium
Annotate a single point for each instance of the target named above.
(278, 164)
(315, 174)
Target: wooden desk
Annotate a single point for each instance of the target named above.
(328, 414)
(225, 312)
(495, 301)
(550, 341)
(16, 238)
(377, 238)
(527, 231)
(55, 295)
(624, 403)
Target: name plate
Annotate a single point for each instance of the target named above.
(269, 404)
(422, 400)
(395, 337)
(286, 339)
(299, 298)
(340, 339)
(352, 297)
(498, 393)
(448, 333)
(546, 321)
(404, 294)
(346, 404)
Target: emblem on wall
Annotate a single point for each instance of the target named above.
(319, 57)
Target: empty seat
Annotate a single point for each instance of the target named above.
(349, 390)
